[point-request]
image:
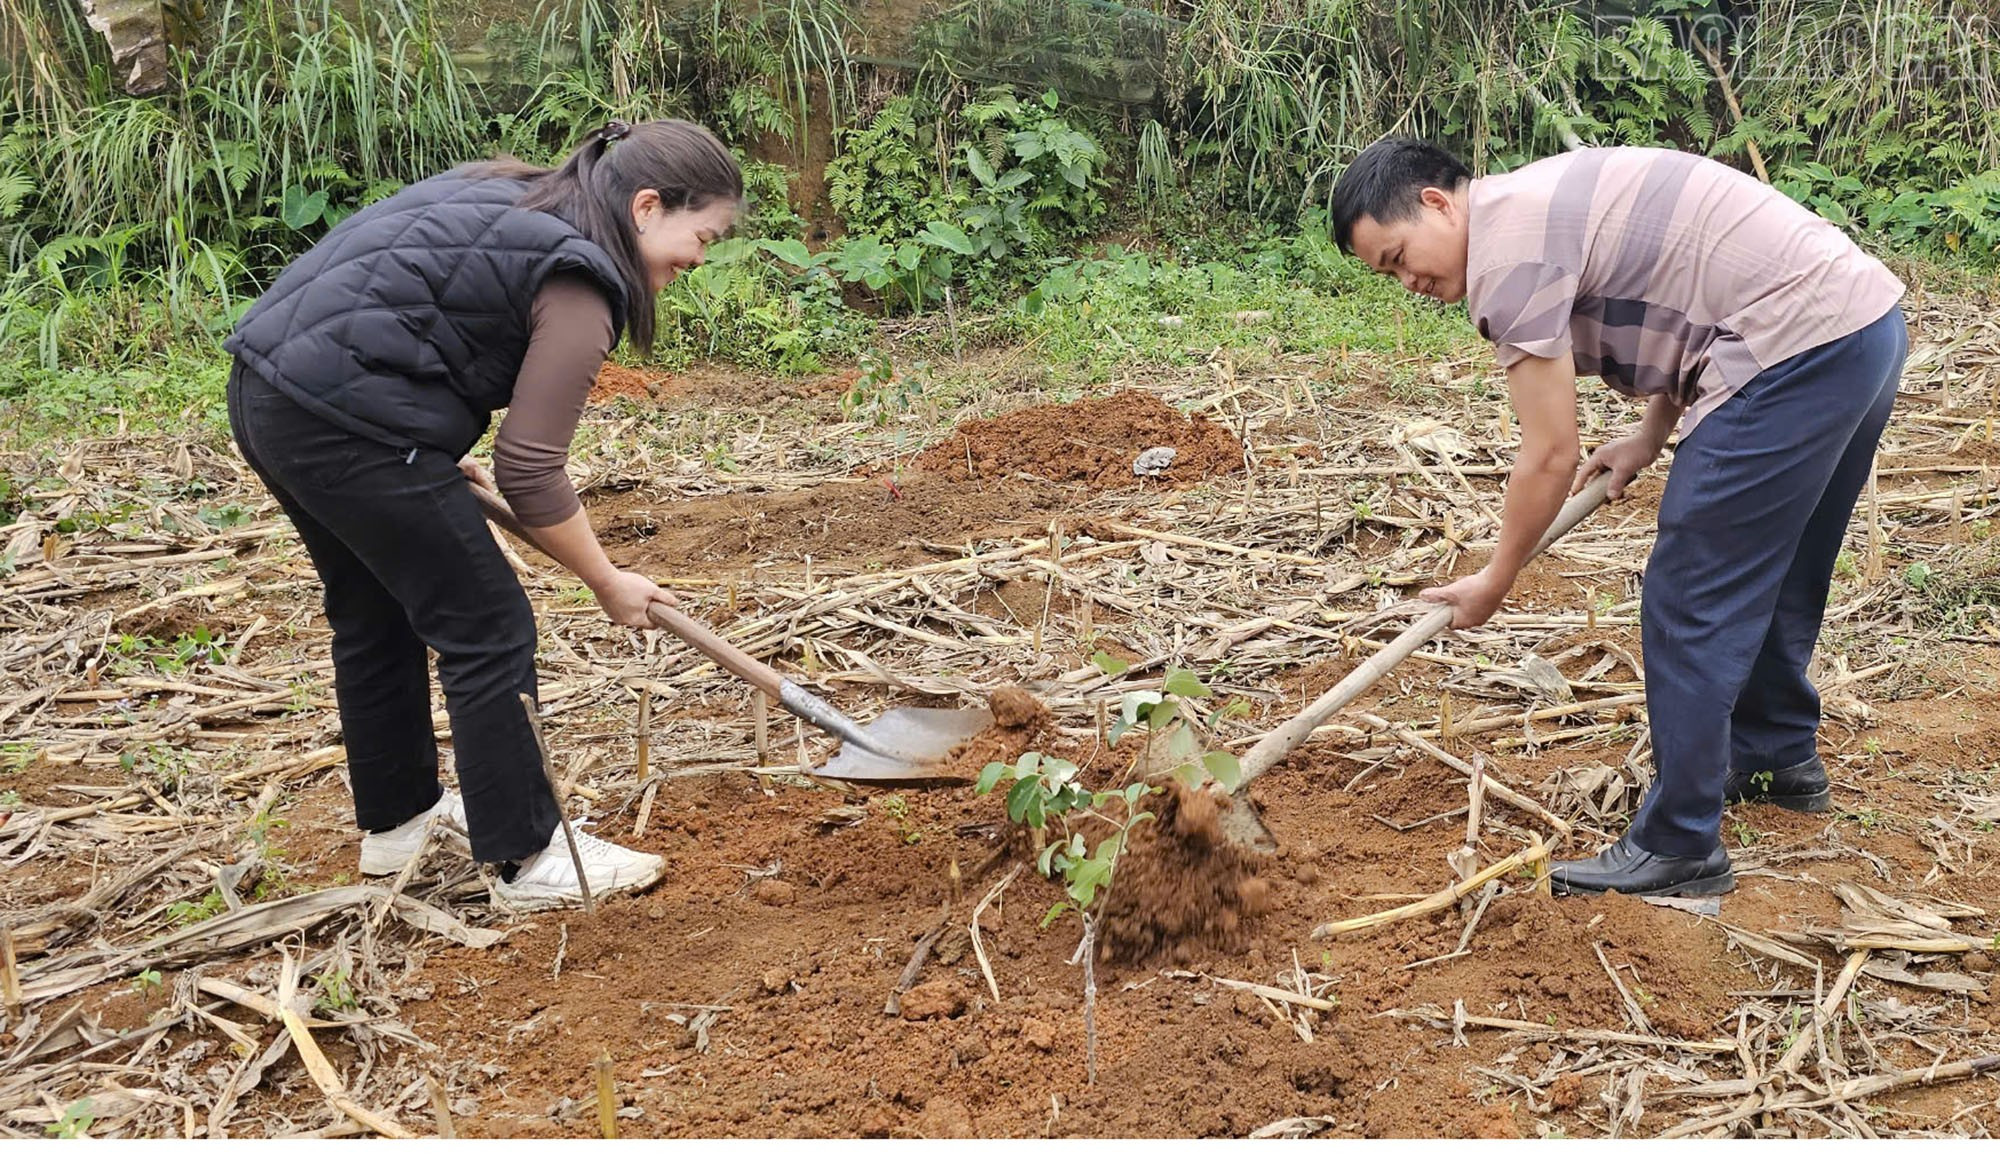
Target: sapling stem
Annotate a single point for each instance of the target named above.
(1090, 998)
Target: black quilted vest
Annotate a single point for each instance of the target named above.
(408, 322)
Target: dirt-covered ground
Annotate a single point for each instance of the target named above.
(179, 859)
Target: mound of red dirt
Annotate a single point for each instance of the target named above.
(1181, 883)
(616, 381)
(1092, 441)
(1014, 707)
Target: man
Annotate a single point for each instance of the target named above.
(1777, 346)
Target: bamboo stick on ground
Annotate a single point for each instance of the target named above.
(1277, 993)
(643, 764)
(440, 1108)
(555, 794)
(1262, 554)
(978, 944)
(10, 975)
(1564, 736)
(1438, 901)
(645, 811)
(1874, 568)
(1489, 785)
(1530, 1029)
(1852, 1090)
(328, 1080)
(1802, 1048)
(1543, 714)
(607, 1098)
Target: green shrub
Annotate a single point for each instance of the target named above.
(1040, 178)
(888, 179)
(1009, 184)
(769, 214)
(761, 303)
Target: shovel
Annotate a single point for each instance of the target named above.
(902, 747)
(1240, 824)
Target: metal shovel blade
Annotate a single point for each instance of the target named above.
(923, 737)
(1243, 826)
(1237, 820)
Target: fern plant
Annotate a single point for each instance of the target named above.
(889, 177)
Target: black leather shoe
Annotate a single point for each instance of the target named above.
(1800, 788)
(1627, 869)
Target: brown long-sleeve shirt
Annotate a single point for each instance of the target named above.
(571, 334)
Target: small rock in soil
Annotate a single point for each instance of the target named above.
(971, 1050)
(774, 892)
(1567, 1091)
(1496, 1123)
(1014, 707)
(776, 980)
(934, 1000)
(1154, 461)
(1039, 1035)
(875, 1121)
(945, 1118)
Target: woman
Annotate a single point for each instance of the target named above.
(361, 380)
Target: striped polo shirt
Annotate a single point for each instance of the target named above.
(1661, 272)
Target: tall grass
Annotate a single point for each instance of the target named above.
(1887, 87)
(133, 219)
(750, 69)
(128, 222)
(1267, 100)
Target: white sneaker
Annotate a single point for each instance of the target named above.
(548, 879)
(387, 853)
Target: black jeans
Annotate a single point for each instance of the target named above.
(408, 563)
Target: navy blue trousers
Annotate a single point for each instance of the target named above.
(1750, 526)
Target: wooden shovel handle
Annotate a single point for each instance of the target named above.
(666, 617)
(1280, 740)
(717, 650)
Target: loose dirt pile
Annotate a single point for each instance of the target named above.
(1020, 722)
(1092, 441)
(1181, 884)
(616, 381)
(1015, 708)
(858, 526)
